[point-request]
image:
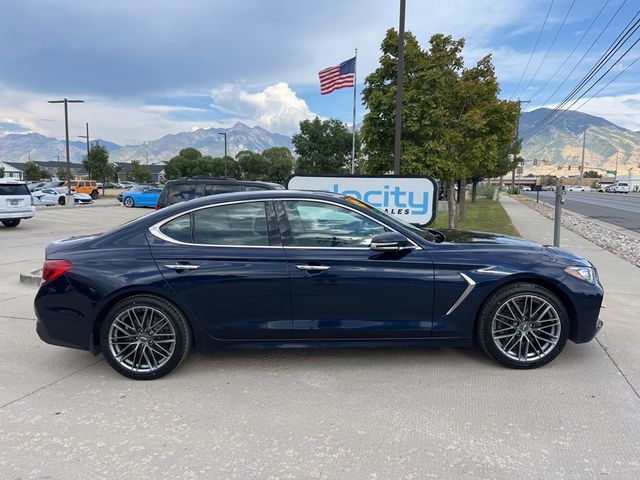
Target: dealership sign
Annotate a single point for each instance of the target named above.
(413, 199)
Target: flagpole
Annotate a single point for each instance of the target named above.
(353, 125)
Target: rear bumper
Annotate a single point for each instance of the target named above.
(17, 214)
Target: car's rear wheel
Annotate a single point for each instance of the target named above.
(523, 325)
(145, 337)
(94, 194)
(128, 202)
(14, 222)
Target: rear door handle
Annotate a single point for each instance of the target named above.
(313, 268)
(182, 266)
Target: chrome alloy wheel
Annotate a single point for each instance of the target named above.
(526, 328)
(142, 339)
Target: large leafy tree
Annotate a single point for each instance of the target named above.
(32, 171)
(187, 163)
(280, 163)
(323, 146)
(452, 123)
(1, 171)
(252, 165)
(97, 162)
(139, 173)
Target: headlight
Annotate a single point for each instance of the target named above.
(587, 274)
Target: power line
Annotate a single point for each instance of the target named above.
(620, 41)
(584, 34)
(585, 53)
(553, 42)
(534, 49)
(609, 83)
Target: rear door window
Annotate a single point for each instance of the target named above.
(14, 190)
(217, 188)
(182, 192)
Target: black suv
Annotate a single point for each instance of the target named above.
(183, 189)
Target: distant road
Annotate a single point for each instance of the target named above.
(619, 209)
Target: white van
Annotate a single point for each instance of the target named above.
(16, 202)
(620, 187)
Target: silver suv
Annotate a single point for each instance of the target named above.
(16, 202)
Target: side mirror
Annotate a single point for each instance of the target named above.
(390, 242)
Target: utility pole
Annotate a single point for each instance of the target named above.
(397, 151)
(87, 137)
(224, 160)
(66, 131)
(513, 173)
(615, 179)
(584, 141)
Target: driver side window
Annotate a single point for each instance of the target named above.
(317, 224)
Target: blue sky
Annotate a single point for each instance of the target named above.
(148, 68)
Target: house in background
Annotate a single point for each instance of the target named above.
(11, 171)
(156, 171)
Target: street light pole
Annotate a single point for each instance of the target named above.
(224, 160)
(398, 135)
(87, 137)
(66, 130)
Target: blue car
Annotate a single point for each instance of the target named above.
(147, 197)
(282, 269)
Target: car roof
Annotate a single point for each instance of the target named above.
(221, 180)
(10, 181)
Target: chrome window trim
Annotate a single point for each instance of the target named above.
(470, 286)
(155, 229)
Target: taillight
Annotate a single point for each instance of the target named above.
(52, 269)
(157, 207)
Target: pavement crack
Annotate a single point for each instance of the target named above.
(50, 384)
(606, 351)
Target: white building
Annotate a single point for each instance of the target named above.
(10, 171)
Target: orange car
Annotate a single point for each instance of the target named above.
(89, 187)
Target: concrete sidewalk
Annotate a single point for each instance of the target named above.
(620, 336)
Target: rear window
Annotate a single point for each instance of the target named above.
(19, 189)
(623, 184)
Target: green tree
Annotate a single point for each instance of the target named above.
(138, 173)
(189, 162)
(32, 171)
(280, 160)
(323, 146)
(592, 174)
(252, 165)
(63, 173)
(453, 125)
(97, 162)
(1, 172)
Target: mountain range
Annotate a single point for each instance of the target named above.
(19, 146)
(560, 144)
(555, 146)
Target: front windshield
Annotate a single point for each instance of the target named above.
(426, 234)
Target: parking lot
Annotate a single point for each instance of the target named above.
(371, 414)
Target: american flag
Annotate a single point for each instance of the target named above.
(340, 76)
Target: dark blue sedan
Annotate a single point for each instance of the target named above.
(284, 269)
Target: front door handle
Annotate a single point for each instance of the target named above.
(313, 268)
(182, 266)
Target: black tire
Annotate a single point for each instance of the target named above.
(539, 337)
(128, 202)
(14, 222)
(145, 354)
(94, 194)
(62, 201)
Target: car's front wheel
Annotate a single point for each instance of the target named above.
(62, 201)
(128, 202)
(11, 223)
(94, 194)
(145, 337)
(523, 325)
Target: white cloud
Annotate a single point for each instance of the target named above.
(620, 109)
(276, 108)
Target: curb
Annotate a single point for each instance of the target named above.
(33, 278)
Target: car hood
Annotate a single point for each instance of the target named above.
(484, 238)
(551, 253)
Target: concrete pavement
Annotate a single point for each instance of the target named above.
(308, 414)
(620, 336)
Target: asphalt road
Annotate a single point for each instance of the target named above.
(619, 209)
(309, 414)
